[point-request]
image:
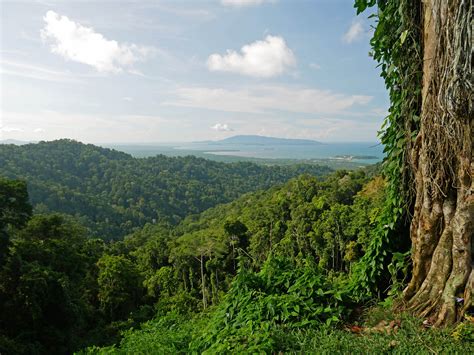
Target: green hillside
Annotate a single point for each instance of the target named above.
(113, 193)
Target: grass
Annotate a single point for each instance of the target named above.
(411, 338)
(173, 333)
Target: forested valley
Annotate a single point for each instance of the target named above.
(113, 193)
(103, 253)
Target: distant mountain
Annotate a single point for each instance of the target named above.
(262, 140)
(13, 141)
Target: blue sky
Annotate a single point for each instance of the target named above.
(158, 71)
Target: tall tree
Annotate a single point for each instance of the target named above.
(425, 50)
(44, 286)
(119, 286)
(15, 210)
(441, 160)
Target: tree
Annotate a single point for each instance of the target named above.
(199, 246)
(119, 285)
(441, 159)
(44, 284)
(237, 232)
(425, 48)
(332, 232)
(14, 210)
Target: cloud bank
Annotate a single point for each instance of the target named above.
(222, 127)
(262, 99)
(8, 129)
(265, 59)
(82, 44)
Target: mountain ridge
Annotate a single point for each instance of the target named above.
(14, 141)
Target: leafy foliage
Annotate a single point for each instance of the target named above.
(188, 267)
(14, 207)
(270, 269)
(119, 285)
(14, 211)
(324, 222)
(172, 335)
(281, 296)
(169, 334)
(396, 45)
(45, 286)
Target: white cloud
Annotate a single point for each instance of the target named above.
(242, 3)
(262, 99)
(8, 129)
(315, 66)
(128, 98)
(265, 59)
(222, 127)
(82, 44)
(354, 33)
(38, 130)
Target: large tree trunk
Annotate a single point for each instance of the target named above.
(442, 227)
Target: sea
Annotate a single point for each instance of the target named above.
(357, 152)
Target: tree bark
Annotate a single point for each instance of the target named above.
(442, 226)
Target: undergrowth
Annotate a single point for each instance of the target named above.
(261, 307)
(173, 333)
(291, 308)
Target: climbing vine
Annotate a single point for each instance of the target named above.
(396, 46)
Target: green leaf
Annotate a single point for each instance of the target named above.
(403, 36)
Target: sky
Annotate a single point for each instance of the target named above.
(147, 71)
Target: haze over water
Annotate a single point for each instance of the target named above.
(280, 151)
(358, 152)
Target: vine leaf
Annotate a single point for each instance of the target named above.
(403, 36)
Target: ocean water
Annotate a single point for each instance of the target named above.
(354, 153)
(360, 152)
